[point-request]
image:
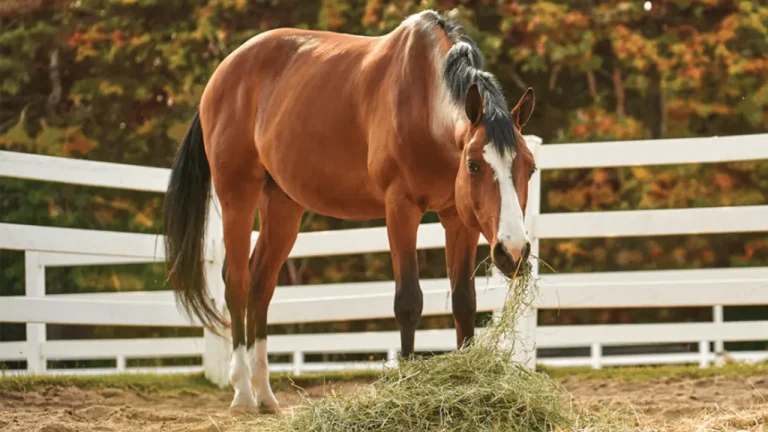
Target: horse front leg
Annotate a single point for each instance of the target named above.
(403, 218)
(460, 253)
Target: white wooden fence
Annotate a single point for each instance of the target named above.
(47, 247)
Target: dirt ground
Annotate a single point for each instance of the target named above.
(704, 404)
(679, 404)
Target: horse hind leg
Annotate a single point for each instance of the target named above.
(239, 190)
(280, 219)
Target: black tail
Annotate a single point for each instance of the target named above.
(184, 214)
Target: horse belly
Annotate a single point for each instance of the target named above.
(309, 130)
(324, 185)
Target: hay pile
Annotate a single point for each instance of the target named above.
(477, 388)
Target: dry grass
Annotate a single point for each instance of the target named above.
(724, 421)
(477, 388)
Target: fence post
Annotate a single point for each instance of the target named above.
(122, 364)
(718, 318)
(34, 286)
(298, 362)
(596, 355)
(704, 354)
(392, 357)
(217, 349)
(525, 353)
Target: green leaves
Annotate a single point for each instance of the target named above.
(17, 135)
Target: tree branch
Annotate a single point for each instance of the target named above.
(592, 86)
(553, 76)
(292, 274)
(618, 86)
(13, 120)
(662, 108)
(302, 268)
(517, 80)
(295, 274)
(307, 220)
(55, 96)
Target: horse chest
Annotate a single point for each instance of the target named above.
(415, 172)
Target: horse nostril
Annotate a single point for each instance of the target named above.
(499, 251)
(526, 250)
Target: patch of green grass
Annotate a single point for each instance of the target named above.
(645, 373)
(170, 383)
(139, 383)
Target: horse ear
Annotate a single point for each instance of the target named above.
(474, 104)
(524, 108)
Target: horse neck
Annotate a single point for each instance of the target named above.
(401, 79)
(414, 58)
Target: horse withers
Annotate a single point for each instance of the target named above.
(354, 128)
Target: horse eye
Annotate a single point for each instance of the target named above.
(473, 166)
(533, 171)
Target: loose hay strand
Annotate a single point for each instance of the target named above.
(476, 388)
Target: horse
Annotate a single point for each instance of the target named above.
(354, 128)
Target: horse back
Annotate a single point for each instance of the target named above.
(340, 112)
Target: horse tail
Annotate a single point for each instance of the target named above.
(184, 216)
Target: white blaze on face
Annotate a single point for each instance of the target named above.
(511, 231)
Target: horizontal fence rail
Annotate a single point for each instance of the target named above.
(75, 241)
(653, 152)
(373, 300)
(373, 240)
(716, 288)
(83, 172)
(653, 288)
(552, 226)
(653, 222)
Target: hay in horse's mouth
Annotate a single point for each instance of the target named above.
(476, 388)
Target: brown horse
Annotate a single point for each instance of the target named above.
(354, 128)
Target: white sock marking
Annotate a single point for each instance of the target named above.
(240, 378)
(260, 379)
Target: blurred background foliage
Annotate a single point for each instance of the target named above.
(118, 81)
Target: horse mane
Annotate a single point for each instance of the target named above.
(462, 67)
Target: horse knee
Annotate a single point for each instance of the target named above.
(409, 303)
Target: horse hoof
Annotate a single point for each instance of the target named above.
(243, 410)
(243, 403)
(269, 409)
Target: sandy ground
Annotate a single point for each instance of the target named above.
(700, 405)
(688, 404)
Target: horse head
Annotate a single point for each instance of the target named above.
(492, 182)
